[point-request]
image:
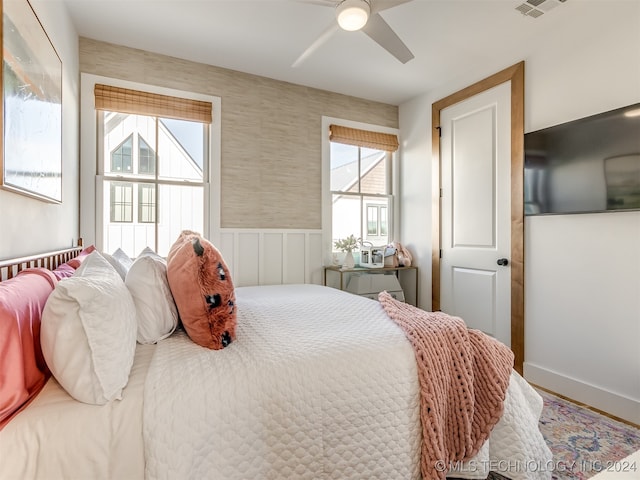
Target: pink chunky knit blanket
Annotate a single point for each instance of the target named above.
(463, 376)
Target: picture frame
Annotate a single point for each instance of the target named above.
(31, 80)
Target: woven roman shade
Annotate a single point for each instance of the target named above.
(363, 138)
(124, 100)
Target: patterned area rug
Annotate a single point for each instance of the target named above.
(584, 442)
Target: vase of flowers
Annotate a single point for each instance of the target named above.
(347, 245)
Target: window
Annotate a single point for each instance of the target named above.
(146, 158)
(361, 184)
(121, 202)
(372, 220)
(384, 222)
(121, 156)
(146, 203)
(154, 183)
(377, 223)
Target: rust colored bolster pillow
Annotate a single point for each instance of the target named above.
(203, 291)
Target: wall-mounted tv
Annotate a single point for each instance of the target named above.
(584, 166)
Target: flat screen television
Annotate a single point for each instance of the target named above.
(584, 166)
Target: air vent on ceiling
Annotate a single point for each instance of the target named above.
(536, 8)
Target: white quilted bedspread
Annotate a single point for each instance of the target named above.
(319, 384)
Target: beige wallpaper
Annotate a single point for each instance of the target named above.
(271, 131)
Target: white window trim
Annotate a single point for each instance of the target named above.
(394, 227)
(91, 225)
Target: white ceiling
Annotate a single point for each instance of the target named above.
(449, 38)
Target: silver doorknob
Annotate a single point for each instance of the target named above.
(503, 262)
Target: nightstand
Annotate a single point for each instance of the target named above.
(336, 277)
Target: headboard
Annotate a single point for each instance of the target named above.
(50, 260)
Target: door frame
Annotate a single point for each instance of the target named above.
(515, 74)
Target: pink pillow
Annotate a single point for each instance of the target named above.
(203, 291)
(23, 371)
(76, 262)
(64, 271)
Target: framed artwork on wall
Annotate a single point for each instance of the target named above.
(622, 174)
(31, 153)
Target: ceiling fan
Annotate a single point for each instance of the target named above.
(353, 15)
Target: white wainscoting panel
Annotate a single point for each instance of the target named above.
(245, 259)
(272, 252)
(272, 257)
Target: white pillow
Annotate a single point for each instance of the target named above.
(120, 261)
(156, 310)
(88, 332)
(123, 258)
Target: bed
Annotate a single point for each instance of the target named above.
(318, 383)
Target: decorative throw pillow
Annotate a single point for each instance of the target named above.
(64, 271)
(155, 309)
(88, 333)
(203, 290)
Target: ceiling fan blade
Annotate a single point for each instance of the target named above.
(324, 36)
(382, 33)
(380, 5)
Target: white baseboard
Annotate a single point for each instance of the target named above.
(594, 396)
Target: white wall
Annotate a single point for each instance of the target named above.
(582, 308)
(28, 225)
(582, 272)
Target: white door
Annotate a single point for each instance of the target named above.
(475, 151)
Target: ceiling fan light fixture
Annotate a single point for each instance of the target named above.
(352, 15)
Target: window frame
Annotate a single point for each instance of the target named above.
(92, 182)
(135, 178)
(393, 213)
